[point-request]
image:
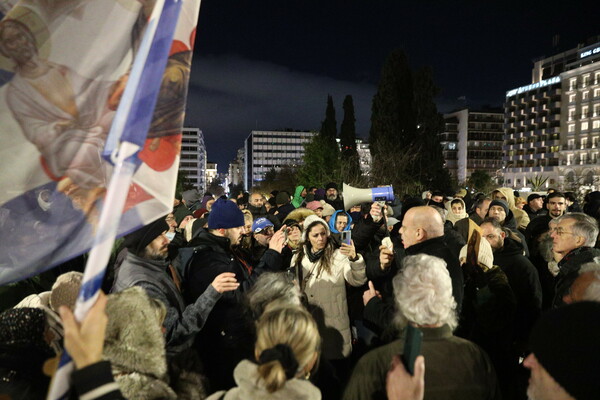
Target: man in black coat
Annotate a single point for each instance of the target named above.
(422, 231)
(522, 277)
(227, 337)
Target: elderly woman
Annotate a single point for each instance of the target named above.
(322, 271)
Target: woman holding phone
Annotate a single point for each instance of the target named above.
(322, 272)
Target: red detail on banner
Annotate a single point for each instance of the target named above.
(177, 47)
(47, 170)
(160, 153)
(135, 196)
(193, 38)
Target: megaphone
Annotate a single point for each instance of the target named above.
(354, 196)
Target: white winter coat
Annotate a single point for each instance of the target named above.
(327, 294)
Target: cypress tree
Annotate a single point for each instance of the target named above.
(429, 165)
(348, 129)
(392, 118)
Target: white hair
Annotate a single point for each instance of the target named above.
(423, 292)
(592, 292)
(273, 288)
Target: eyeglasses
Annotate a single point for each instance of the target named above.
(560, 232)
(266, 231)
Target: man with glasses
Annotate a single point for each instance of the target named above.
(573, 240)
(262, 232)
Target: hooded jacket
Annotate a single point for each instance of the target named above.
(451, 216)
(298, 199)
(521, 217)
(333, 218)
(250, 386)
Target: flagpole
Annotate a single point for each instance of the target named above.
(126, 164)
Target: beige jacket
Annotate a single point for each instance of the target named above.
(326, 293)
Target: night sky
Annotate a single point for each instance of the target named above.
(270, 65)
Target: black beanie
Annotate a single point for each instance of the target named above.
(331, 185)
(137, 241)
(501, 203)
(565, 342)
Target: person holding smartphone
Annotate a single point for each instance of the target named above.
(322, 271)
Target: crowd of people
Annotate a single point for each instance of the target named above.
(289, 295)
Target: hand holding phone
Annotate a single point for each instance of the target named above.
(346, 237)
(412, 348)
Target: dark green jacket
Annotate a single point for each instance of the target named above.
(455, 369)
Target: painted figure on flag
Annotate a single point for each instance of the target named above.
(64, 65)
(65, 115)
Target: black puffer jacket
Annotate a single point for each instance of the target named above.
(227, 337)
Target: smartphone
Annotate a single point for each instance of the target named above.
(412, 348)
(346, 236)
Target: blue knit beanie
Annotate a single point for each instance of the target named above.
(225, 214)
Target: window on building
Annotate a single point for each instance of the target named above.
(596, 110)
(583, 159)
(595, 142)
(596, 78)
(586, 80)
(584, 111)
(571, 114)
(596, 92)
(573, 84)
(571, 128)
(571, 98)
(584, 126)
(569, 159)
(583, 143)
(571, 144)
(596, 124)
(586, 95)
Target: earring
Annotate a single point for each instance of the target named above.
(307, 375)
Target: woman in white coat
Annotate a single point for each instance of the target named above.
(322, 272)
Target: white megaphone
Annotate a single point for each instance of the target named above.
(354, 196)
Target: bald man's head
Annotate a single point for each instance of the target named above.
(421, 224)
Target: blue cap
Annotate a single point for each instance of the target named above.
(260, 224)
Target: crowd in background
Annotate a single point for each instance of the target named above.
(301, 296)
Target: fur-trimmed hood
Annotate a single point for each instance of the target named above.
(135, 345)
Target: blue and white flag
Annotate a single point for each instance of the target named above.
(66, 68)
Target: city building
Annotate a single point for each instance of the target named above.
(193, 157)
(552, 126)
(211, 172)
(364, 156)
(264, 150)
(471, 141)
(236, 169)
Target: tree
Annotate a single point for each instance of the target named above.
(481, 181)
(322, 155)
(318, 165)
(329, 124)
(429, 166)
(284, 178)
(392, 115)
(183, 183)
(350, 162)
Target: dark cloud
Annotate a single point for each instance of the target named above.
(229, 96)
